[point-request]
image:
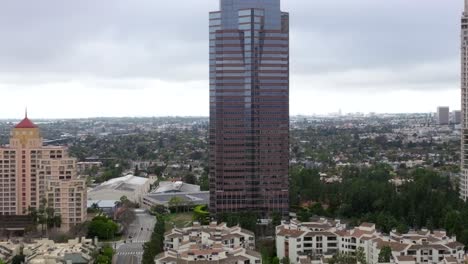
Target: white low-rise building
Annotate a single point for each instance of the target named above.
(211, 244)
(315, 242)
(133, 187)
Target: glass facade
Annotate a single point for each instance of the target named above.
(249, 107)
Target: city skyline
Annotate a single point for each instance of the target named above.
(380, 65)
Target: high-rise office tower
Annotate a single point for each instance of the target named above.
(464, 104)
(249, 107)
(443, 115)
(32, 175)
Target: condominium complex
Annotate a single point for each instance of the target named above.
(443, 115)
(209, 244)
(249, 107)
(317, 241)
(32, 174)
(79, 250)
(464, 104)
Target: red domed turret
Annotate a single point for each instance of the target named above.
(26, 123)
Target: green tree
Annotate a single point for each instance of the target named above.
(276, 219)
(190, 178)
(18, 259)
(385, 254)
(175, 203)
(342, 259)
(275, 260)
(453, 222)
(360, 256)
(101, 259)
(267, 250)
(303, 215)
(102, 227)
(204, 182)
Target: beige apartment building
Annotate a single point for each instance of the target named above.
(31, 172)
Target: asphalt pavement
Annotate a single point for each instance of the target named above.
(130, 251)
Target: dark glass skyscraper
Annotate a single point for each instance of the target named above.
(249, 107)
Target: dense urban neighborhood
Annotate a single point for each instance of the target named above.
(345, 172)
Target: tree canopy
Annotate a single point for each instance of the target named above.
(365, 194)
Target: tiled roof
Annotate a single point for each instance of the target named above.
(26, 123)
(393, 245)
(290, 232)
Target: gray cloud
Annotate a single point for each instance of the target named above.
(154, 38)
(339, 44)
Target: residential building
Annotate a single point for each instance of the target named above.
(443, 115)
(317, 241)
(44, 251)
(88, 165)
(133, 187)
(249, 107)
(464, 104)
(456, 117)
(32, 174)
(211, 244)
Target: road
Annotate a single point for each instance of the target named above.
(130, 251)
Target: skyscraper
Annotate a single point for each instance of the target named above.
(443, 115)
(33, 175)
(464, 104)
(249, 107)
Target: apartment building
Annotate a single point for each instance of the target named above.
(317, 241)
(211, 244)
(32, 175)
(443, 115)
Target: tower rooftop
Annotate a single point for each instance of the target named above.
(26, 123)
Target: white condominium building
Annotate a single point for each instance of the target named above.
(210, 244)
(316, 242)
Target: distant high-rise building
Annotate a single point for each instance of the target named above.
(443, 115)
(249, 107)
(456, 117)
(33, 175)
(464, 104)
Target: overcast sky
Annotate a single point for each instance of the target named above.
(91, 58)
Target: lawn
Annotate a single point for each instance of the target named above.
(179, 220)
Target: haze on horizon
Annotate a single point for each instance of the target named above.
(150, 58)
